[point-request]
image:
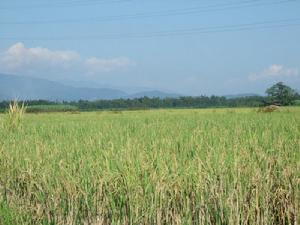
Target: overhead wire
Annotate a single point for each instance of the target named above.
(165, 13)
(64, 4)
(178, 32)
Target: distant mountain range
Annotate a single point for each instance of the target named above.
(28, 88)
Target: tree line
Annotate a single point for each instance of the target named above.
(278, 94)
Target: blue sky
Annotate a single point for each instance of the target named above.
(85, 43)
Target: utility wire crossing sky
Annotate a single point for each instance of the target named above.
(188, 47)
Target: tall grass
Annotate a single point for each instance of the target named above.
(153, 167)
(15, 115)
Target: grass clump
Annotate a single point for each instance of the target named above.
(269, 109)
(15, 115)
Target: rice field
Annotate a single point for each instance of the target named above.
(206, 166)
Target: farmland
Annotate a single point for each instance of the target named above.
(206, 166)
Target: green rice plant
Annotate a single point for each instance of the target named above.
(153, 167)
(7, 216)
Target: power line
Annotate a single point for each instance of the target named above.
(66, 4)
(89, 2)
(175, 12)
(169, 33)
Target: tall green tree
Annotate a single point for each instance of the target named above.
(281, 94)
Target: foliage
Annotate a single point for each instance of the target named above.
(297, 102)
(182, 102)
(51, 108)
(278, 94)
(281, 94)
(141, 103)
(219, 166)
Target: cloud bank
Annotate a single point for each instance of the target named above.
(275, 72)
(42, 62)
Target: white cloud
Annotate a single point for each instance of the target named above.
(18, 57)
(274, 72)
(41, 62)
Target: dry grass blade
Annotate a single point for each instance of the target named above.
(15, 115)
